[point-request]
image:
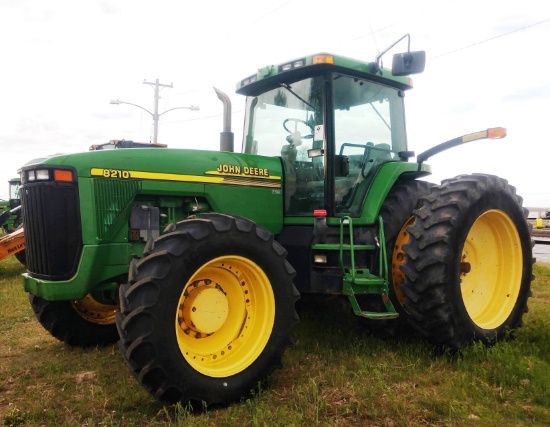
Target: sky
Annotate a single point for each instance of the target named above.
(63, 61)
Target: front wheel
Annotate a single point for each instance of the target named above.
(21, 257)
(208, 311)
(469, 262)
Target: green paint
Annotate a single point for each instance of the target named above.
(99, 264)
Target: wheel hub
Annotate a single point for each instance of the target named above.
(225, 316)
(398, 259)
(94, 311)
(205, 309)
(491, 269)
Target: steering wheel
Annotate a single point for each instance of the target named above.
(296, 121)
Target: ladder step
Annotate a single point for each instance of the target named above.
(346, 247)
(369, 284)
(369, 280)
(360, 281)
(377, 316)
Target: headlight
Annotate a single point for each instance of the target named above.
(42, 174)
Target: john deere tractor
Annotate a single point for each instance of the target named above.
(10, 217)
(194, 260)
(13, 241)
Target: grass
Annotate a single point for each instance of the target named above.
(335, 375)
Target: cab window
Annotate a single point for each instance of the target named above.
(282, 122)
(369, 130)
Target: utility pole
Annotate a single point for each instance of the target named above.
(157, 86)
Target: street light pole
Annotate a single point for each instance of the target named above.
(155, 114)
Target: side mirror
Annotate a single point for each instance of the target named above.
(408, 63)
(341, 165)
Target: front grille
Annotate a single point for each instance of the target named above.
(112, 197)
(53, 238)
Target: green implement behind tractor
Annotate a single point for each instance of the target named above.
(194, 260)
(10, 221)
(12, 242)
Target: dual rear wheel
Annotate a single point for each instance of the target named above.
(468, 267)
(461, 260)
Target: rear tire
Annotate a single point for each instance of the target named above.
(397, 213)
(82, 323)
(469, 262)
(208, 312)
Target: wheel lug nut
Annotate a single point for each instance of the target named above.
(465, 267)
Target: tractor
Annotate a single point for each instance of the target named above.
(11, 216)
(194, 260)
(13, 240)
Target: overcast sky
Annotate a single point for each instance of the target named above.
(62, 61)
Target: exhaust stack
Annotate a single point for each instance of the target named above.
(226, 137)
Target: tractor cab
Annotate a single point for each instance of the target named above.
(11, 215)
(333, 121)
(15, 198)
(338, 126)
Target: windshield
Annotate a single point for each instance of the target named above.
(288, 111)
(282, 122)
(14, 190)
(289, 122)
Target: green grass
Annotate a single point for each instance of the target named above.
(335, 375)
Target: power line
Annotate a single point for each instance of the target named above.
(489, 39)
(267, 14)
(255, 21)
(393, 24)
(373, 32)
(234, 112)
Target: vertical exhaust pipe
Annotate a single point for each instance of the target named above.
(226, 137)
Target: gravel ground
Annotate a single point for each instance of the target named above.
(542, 253)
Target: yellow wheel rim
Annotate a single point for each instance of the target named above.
(491, 269)
(225, 316)
(398, 259)
(95, 312)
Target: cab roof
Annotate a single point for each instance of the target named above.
(272, 76)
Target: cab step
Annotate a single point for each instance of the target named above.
(362, 281)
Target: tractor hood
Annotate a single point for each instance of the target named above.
(170, 165)
(232, 183)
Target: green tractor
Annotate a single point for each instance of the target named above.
(10, 221)
(194, 260)
(12, 242)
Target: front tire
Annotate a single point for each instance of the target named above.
(21, 257)
(208, 311)
(469, 262)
